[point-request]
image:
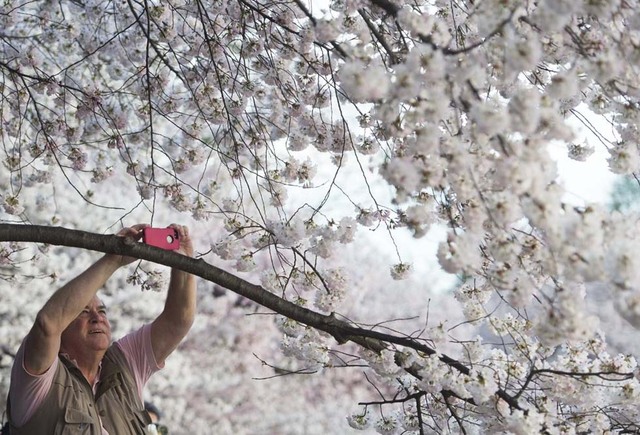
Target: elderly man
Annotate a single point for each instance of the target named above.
(69, 378)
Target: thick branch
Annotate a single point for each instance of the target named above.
(111, 244)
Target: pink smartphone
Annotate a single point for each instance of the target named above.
(165, 238)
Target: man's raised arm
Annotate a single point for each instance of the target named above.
(43, 341)
(173, 324)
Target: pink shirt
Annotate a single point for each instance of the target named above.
(27, 391)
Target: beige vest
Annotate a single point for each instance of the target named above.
(71, 407)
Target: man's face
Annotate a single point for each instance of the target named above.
(90, 331)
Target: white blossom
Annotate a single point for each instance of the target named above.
(245, 263)
(11, 205)
(226, 249)
(387, 426)
(289, 327)
(624, 158)
(287, 233)
(400, 271)
(359, 421)
(364, 82)
(580, 152)
(524, 111)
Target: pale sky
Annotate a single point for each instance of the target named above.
(588, 181)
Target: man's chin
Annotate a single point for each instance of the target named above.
(100, 340)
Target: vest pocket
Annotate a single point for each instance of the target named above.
(141, 421)
(75, 422)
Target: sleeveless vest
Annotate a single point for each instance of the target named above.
(71, 407)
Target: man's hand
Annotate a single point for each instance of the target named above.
(186, 246)
(135, 232)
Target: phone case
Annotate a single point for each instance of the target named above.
(165, 238)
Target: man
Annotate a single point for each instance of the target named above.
(69, 378)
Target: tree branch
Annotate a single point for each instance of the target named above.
(339, 329)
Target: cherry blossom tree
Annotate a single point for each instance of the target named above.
(288, 133)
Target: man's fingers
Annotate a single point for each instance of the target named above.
(137, 230)
(134, 231)
(185, 241)
(183, 231)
